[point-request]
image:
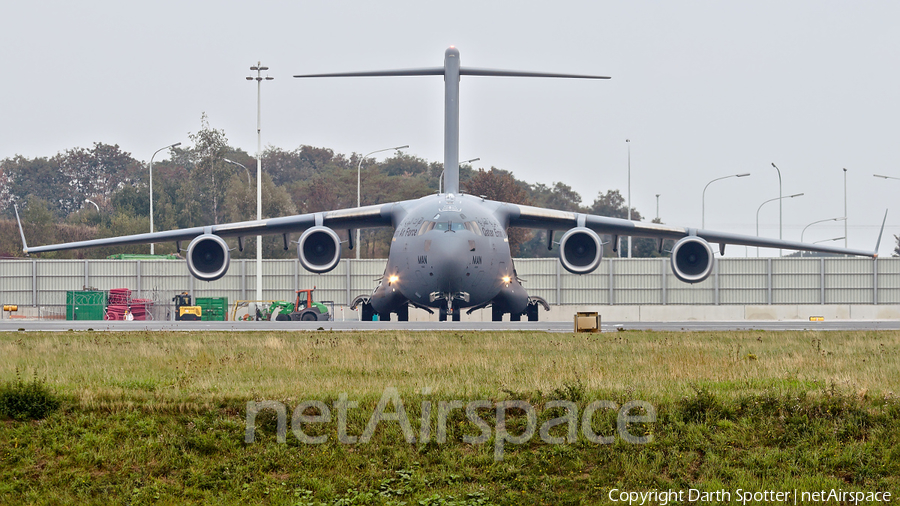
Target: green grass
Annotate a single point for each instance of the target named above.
(160, 417)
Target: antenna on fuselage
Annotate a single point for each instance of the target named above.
(451, 72)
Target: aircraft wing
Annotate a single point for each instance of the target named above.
(359, 217)
(550, 219)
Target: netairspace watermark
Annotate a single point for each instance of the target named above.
(741, 496)
(624, 420)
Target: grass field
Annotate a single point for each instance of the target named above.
(160, 417)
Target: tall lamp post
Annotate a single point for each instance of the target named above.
(170, 146)
(703, 203)
(628, 143)
(760, 207)
(841, 218)
(258, 68)
(232, 162)
(780, 209)
(359, 183)
(89, 201)
(845, 207)
(657, 206)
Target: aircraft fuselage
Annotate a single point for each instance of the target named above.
(450, 251)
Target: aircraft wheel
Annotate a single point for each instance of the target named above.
(496, 314)
(515, 317)
(386, 317)
(532, 312)
(456, 315)
(403, 313)
(442, 314)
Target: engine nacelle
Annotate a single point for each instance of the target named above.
(319, 249)
(580, 250)
(692, 260)
(208, 257)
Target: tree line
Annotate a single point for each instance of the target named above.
(102, 191)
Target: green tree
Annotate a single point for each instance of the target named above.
(561, 197)
(210, 172)
(38, 178)
(95, 174)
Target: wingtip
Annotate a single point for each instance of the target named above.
(21, 231)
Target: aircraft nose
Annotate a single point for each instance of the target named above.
(452, 257)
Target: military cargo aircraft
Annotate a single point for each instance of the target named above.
(450, 250)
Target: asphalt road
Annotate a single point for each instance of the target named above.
(120, 326)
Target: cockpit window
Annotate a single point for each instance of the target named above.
(426, 227)
(454, 226)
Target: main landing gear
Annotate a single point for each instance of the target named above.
(531, 311)
(368, 313)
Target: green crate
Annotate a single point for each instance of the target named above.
(213, 308)
(85, 305)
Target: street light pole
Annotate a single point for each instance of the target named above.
(842, 218)
(151, 188)
(89, 201)
(780, 208)
(845, 207)
(657, 206)
(703, 199)
(232, 162)
(259, 79)
(628, 142)
(760, 207)
(359, 184)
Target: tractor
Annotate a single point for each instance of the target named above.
(303, 309)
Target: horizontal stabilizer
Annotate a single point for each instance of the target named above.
(468, 71)
(439, 71)
(432, 71)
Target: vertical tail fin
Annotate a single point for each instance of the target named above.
(451, 72)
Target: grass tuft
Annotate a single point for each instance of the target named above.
(27, 401)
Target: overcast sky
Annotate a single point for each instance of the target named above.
(702, 90)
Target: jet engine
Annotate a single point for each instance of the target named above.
(692, 260)
(208, 257)
(319, 249)
(580, 250)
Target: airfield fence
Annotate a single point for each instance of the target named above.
(735, 281)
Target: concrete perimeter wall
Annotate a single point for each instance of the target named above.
(620, 289)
